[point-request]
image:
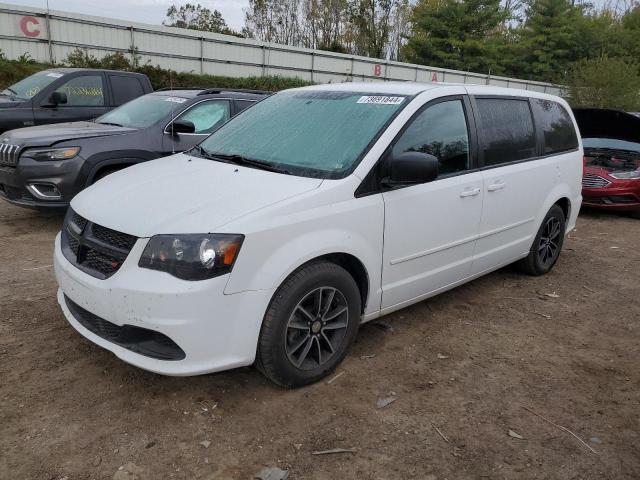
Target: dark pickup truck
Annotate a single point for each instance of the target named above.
(67, 95)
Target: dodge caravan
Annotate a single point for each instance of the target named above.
(316, 210)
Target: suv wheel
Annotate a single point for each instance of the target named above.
(547, 245)
(312, 320)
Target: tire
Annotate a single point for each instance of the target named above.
(547, 245)
(303, 340)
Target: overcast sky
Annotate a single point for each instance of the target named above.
(145, 11)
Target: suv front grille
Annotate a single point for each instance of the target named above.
(9, 155)
(94, 249)
(594, 181)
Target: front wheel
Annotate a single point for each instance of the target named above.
(547, 245)
(312, 320)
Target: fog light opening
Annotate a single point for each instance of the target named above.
(44, 191)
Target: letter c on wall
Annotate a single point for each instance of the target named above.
(28, 26)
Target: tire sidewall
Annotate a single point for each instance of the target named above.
(556, 212)
(273, 342)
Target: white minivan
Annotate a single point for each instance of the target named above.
(315, 210)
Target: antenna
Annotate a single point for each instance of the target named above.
(173, 135)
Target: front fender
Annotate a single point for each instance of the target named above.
(269, 256)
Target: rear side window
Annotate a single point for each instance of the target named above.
(244, 104)
(559, 132)
(125, 88)
(506, 130)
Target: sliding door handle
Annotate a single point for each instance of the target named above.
(469, 192)
(494, 187)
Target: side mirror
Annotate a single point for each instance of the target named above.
(411, 168)
(182, 126)
(56, 98)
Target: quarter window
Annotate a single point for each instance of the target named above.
(506, 129)
(440, 130)
(559, 132)
(125, 88)
(84, 91)
(207, 116)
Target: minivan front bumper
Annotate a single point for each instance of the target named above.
(214, 330)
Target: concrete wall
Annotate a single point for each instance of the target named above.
(52, 37)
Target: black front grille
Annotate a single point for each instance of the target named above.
(139, 340)
(97, 250)
(9, 154)
(120, 240)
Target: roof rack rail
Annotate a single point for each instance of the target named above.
(210, 91)
(166, 89)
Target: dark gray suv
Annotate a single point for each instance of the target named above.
(46, 166)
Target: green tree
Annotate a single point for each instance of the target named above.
(630, 33)
(463, 35)
(197, 17)
(548, 42)
(371, 23)
(606, 83)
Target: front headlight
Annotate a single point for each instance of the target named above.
(628, 175)
(192, 257)
(63, 153)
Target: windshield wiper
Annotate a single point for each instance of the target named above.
(240, 160)
(13, 92)
(110, 123)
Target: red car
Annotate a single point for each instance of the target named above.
(611, 141)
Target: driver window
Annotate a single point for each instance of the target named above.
(207, 116)
(440, 130)
(83, 91)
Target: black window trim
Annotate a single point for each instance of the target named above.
(371, 184)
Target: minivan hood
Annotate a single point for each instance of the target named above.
(45, 135)
(183, 194)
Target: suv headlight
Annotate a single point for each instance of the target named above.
(63, 153)
(628, 175)
(192, 257)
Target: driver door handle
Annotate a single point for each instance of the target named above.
(494, 187)
(469, 192)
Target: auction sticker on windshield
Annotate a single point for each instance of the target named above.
(381, 100)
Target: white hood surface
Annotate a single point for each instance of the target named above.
(183, 194)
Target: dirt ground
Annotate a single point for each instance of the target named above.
(462, 368)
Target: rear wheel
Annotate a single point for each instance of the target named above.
(310, 324)
(547, 245)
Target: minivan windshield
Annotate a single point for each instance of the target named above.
(32, 85)
(311, 133)
(144, 111)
